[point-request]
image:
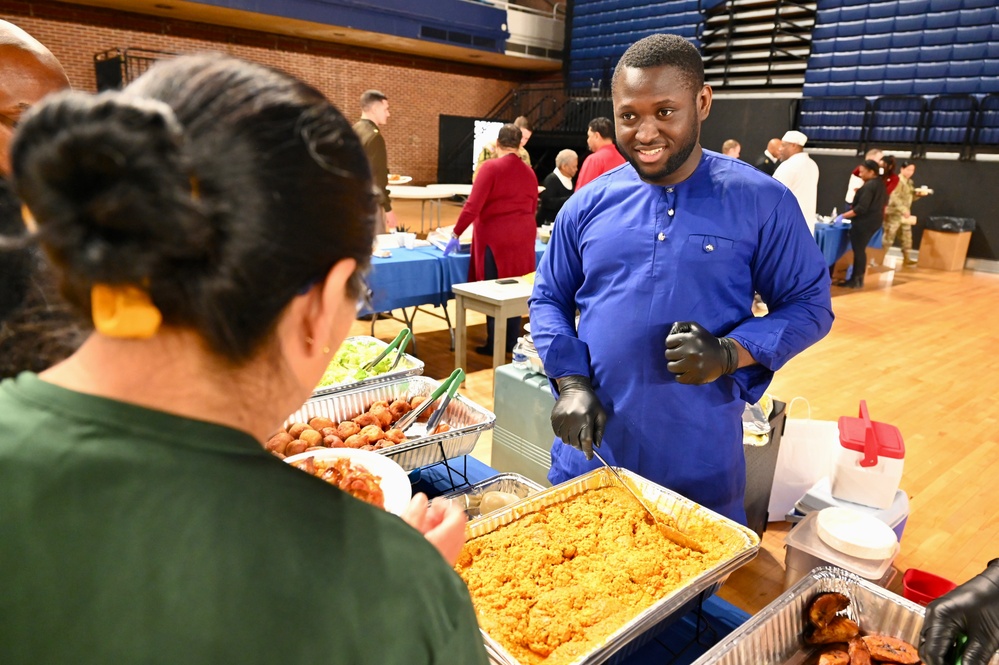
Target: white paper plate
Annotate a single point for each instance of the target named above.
(856, 534)
(394, 481)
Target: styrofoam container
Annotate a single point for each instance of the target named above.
(806, 551)
(873, 486)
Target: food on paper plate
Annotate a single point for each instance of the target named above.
(345, 367)
(555, 583)
(352, 478)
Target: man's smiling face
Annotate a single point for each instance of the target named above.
(658, 119)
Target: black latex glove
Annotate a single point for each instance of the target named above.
(696, 356)
(578, 417)
(971, 609)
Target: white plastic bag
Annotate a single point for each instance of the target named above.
(807, 451)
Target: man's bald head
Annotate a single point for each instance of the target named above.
(28, 72)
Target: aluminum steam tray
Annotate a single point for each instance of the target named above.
(408, 366)
(642, 628)
(773, 636)
(514, 483)
(466, 419)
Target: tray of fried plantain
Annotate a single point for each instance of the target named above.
(736, 545)
(793, 629)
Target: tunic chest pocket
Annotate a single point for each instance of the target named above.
(707, 248)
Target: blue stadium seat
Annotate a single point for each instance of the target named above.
(816, 75)
(840, 88)
(874, 56)
(869, 88)
(848, 43)
(971, 51)
(944, 5)
(930, 86)
(910, 23)
(826, 45)
(814, 89)
(973, 33)
(987, 121)
(901, 39)
(896, 120)
(971, 4)
(854, 13)
(901, 72)
(964, 68)
(876, 42)
(882, 9)
(949, 119)
(820, 60)
(879, 26)
(825, 31)
(841, 74)
(964, 86)
(912, 7)
(900, 87)
(903, 54)
(940, 36)
(942, 20)
(978, 16)
(850, 3)
(846, 58)
(871, 73)
(939, 53)
(989, 84)
(827, 16)
(931, 70)
(850, 28)
(990, 67)
(992, 49)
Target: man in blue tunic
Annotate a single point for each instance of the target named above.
(662, 255)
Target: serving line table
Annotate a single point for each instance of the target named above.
(493, 298)
(681, 643)
(834, 239)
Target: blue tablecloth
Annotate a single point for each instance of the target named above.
(681, 643)
(418, 276)
(834, 240)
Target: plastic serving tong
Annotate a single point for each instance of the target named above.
(449, 386)
(675, 535)
(401, 341)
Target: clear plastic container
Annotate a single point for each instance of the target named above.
(520, 360)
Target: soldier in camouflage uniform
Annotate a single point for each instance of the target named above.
(898, 213)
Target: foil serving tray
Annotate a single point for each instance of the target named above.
(641, 628)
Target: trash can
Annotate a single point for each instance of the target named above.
(945, 241)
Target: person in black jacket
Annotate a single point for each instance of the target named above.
(865, 217)
(558, 186)
(770, 158)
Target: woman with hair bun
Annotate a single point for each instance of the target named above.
(214, 220)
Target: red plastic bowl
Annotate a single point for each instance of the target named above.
(922, 587)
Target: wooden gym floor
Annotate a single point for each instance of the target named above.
(919, 345)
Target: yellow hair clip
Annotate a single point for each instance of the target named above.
(124, 311)
(29, 219)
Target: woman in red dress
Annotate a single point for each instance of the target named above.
(502, 204)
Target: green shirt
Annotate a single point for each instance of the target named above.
(129, 535)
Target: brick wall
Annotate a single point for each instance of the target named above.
(419, 89)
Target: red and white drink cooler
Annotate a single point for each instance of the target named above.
(869, 463)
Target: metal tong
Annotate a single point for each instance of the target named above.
(673, 534)
(401, 341)
(449, 386)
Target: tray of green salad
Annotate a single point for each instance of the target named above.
(345, 369)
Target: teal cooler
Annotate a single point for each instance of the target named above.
(820, 496)
(522, 437)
